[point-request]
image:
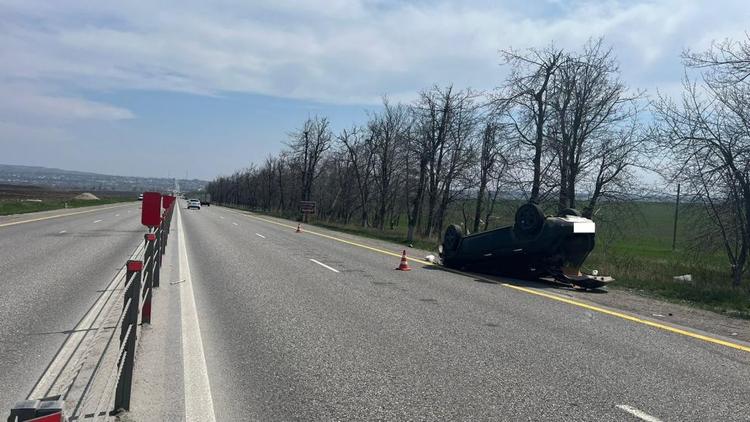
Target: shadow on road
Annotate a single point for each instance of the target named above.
(542, 284)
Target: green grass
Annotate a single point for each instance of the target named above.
(8, 207)
(634, 245)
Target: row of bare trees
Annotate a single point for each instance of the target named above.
(706, 134)
(562, 129)
(563, 122)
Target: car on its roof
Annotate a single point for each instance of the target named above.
(537, 246)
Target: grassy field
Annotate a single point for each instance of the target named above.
(634, 245)
(24, 199)
(638, 253)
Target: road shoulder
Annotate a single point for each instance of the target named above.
(158, 375)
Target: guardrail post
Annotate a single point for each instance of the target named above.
(156, 257)
(129, 323)
(165, 228)
(150, 271)
(162, 239)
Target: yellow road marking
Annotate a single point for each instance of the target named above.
(573, 302)
(58, 216)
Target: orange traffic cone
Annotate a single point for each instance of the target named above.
(404, 265)
(299, 228)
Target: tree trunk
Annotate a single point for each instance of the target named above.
(416, 210)
(480, 200)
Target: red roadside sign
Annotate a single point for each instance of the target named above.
(167, 201)
(307, 207)
(151, 209)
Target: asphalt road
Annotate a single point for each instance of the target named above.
(51, 272)
(302, 327)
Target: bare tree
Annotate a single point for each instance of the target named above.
(307, 146)
(614, 158)
(437, 107)
(488, 153)
(527, 89)
(728, 60)
(461, 154)
(490, 165)
(361, 153)
(590, 106)
(418, 151)
(432, 120)
(388, 130)
(708, 136)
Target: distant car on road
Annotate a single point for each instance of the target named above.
(194, 204)
(140, 197)
(206, 202)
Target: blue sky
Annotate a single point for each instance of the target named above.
(137, 88)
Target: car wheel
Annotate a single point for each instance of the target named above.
(452, 239)
(529, 219)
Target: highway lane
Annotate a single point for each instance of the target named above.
(287, 337)
(51, 272)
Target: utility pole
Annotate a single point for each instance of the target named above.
(676, 215)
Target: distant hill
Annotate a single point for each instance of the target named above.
(69, 179)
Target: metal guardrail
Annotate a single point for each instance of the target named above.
(97, 402)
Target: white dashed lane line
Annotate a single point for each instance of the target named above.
(260, 235)
(638, 413)
(235, 224)
(63, 231)
(98, 221)
(324, 265)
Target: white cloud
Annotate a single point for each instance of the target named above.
(60, 107)
(15, 132)
(333, 51)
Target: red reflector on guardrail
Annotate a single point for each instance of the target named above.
(134, 265)
(55, 417)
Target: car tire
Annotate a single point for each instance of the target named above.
(452, 239)
(529, 219)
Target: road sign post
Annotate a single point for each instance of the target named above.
(306, 208)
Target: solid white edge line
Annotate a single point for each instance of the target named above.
(638, 413)
(199, 405)
(324, 265)
(260, 235)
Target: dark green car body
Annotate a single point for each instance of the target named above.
(536, 245)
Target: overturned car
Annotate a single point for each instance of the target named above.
(535, 246)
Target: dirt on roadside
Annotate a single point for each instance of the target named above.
(674, 313)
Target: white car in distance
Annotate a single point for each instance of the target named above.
(194, 204)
